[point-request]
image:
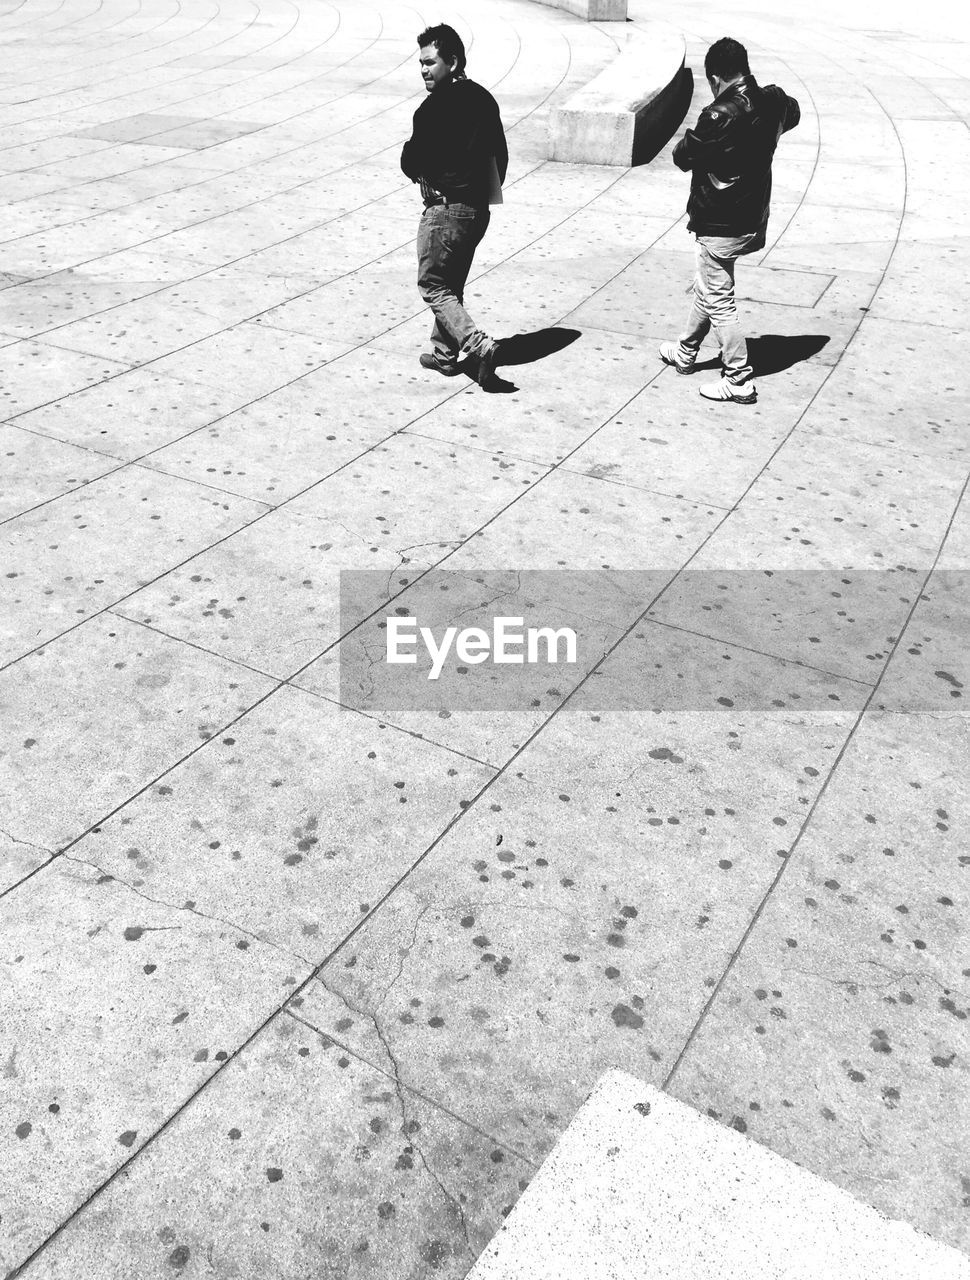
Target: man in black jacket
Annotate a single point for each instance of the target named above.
(729, 153)
(457, 152)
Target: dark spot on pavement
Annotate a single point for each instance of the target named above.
(434, 1253)
(624, 1016)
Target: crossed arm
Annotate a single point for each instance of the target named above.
(704, 145)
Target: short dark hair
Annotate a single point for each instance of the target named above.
(726, 58)
(448, 43)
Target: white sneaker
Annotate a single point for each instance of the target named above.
(669, 354)
(743, 393)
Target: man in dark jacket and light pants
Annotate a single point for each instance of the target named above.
(457, 152)
(729, 153)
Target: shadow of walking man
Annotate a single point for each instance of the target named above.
(774, 352)
(526, 348)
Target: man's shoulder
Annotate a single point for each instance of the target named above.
(773, 92)
(742, 100)
(735, 101)
(719, 114)
(724, 109)
(472, 91)
(425, 108)
(776, 97)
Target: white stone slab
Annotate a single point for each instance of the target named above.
(615, 118)
(642, 1185)
(592, 10)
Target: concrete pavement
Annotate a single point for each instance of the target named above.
(292, 989)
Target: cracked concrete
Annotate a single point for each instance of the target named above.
(28, 844)
(378, 1169)
(299, 988)
(399, 1086)
(185, 906)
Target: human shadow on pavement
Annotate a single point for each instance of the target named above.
(525, 348)
(774, 353)
(495, 387)
(499, 387)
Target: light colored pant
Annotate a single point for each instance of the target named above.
(713, 302)
(448, 236)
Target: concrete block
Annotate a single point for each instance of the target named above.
(625, 114)
(592, 10)
(643, 1185)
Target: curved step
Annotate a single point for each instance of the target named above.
(627, 113)
(592, 10)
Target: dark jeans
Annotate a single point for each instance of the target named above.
(448, 236)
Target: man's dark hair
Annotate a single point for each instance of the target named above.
(448, 43)
(726, 58)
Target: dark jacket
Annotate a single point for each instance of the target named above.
(457, 130)
(729, 153)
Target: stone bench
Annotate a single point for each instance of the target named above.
(626, 114)
(592, 10)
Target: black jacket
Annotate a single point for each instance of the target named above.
(457, 130)
(729, 153)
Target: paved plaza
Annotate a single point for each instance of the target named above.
(298, 989)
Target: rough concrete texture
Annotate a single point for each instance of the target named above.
(592, 10)
(253, 939)
(630, 109)
(640, 1185)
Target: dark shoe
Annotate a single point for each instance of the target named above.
(485, 375)
(429, 360)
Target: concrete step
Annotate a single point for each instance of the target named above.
(629, 111)
(643, 1187)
